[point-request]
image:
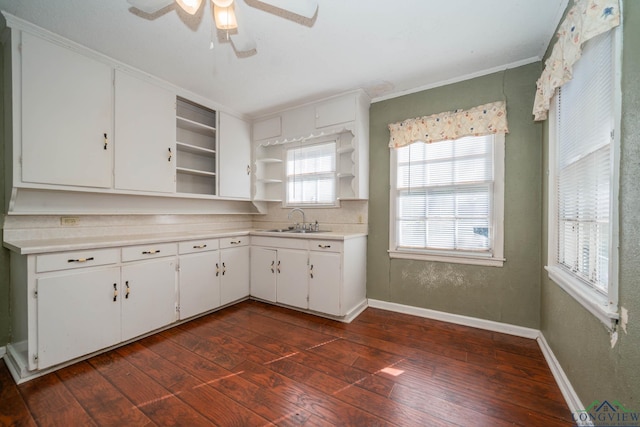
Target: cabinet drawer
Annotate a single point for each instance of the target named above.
(133, 253)
(325, 245)
(197, 246)
(76, 259)
(234, 242)
(279, 242)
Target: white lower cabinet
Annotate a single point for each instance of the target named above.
(66, 305)
(324, 276)
(148, 296)
(292, 288)
(234, 265)
(263, 273)
(325, 280)
(77, 313)
(199, 279)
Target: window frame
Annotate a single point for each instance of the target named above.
(603, 307)
(304, 144)
(495, 258)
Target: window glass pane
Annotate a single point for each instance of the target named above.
(311, 174)
(445, 194)
(585, 121)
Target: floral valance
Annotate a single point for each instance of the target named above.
(585, 20)
(482, 120)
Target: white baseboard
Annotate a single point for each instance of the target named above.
(458, 319)
(570, 396)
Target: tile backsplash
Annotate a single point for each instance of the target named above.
(351, 217)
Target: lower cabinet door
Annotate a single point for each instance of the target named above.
(325, 277)
(148, 296)
(293, 286)
(78, 314)
(199, 284)
(234, 283)
(263, 273)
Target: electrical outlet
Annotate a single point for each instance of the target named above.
(69, 220)
(360, 221)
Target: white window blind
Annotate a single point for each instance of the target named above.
(311, 174)
(585, 117)
(445, 195)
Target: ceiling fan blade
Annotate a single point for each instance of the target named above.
(149, 6)
(306, 8)
(243, 42)
(241, 39)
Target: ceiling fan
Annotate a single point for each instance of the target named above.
(225, 14)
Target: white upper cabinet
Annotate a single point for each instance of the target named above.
(335, 111)
(66, 116)
(145, 135)
(235, 151)
(345, 117)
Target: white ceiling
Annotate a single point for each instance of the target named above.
(385, 47)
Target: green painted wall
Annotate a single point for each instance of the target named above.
(580, 342)
(510, 294)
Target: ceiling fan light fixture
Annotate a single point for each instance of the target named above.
(222, 3)
(189, 6)
(225, 17)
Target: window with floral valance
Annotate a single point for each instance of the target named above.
(585, 20)
(447, 186)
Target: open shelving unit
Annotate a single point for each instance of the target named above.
(346, 165)
(196, 144)
(269, 173)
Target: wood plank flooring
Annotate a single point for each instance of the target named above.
(254, 364)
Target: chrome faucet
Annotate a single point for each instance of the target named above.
(303, 217)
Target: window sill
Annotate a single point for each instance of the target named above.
(454, 259)
(592, 301)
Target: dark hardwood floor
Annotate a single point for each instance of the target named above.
(253, 364)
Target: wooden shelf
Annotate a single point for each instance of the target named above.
(194, 126)
(195, 149)
(195, 172)
(269, 160)
(267, 200)
(344, 150)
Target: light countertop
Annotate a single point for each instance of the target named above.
(37, 246)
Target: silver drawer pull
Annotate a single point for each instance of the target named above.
(155, 251)
(199, 246)
(324, 246)
(236, 243)
(80, 260)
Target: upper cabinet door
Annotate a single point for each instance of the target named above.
(235, 157)
(66, 116)
(145, 135)
(335, 111)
